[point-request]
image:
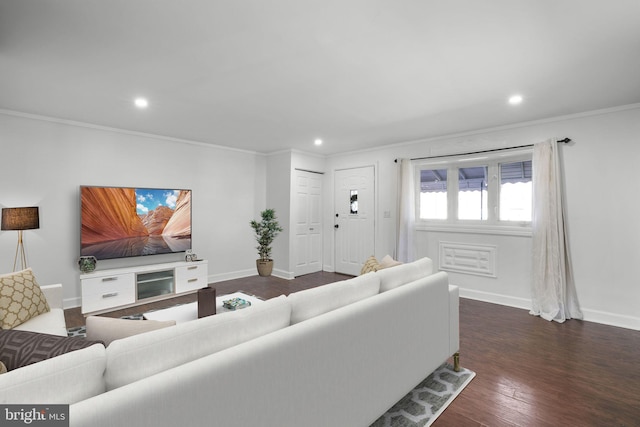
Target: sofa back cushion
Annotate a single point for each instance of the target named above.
(65, 379)
(398, 275)
(322, 299)
(139, 356)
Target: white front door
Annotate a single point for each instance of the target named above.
(308, 222)
(354, 218)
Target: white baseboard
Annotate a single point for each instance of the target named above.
(288, 275)
(509, 301)
(596, 316)
(606, 318)
(71, 303)
(328, 268)
(231, 275)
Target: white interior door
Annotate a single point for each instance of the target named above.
(308, 222)
(354, 218)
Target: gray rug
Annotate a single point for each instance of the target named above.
(422, 405)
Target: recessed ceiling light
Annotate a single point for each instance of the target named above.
(515, 99)
(141, 102)
(318, 141)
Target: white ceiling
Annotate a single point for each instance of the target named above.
(268, 75)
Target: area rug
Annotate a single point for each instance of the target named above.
(422, 405)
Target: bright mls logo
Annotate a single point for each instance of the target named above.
(37, 415)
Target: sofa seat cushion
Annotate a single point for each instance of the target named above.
(65, 379)
(322, 299)
(108, 329)
(398, 275)
(136, 357)
(20, 298)
(51, 322)
(22, 348)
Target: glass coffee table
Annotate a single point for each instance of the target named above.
(187, 312)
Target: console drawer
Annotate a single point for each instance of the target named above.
(191, 277)
(100, 293)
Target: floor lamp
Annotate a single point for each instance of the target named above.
(20, 219)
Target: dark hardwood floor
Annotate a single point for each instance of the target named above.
(529, 372)
(263, 287)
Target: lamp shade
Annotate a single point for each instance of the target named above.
(20, 218)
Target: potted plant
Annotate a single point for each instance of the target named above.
(266, 230)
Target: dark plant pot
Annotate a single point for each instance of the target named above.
(264, 267)
(87, 263)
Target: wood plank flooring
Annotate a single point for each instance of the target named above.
(529, 372)
(263, 287)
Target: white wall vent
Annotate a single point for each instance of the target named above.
(470, 259)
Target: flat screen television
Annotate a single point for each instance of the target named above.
(120, 222)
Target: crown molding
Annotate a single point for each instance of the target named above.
(477, 132)
(121, 131)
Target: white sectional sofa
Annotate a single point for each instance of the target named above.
(337, 355)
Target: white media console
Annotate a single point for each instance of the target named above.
(104, 290)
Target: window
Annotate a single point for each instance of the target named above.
(353, 202)
(516, 191)
(433, 194)
(489, 190)
(472, 193)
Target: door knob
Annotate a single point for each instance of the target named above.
(337, 226)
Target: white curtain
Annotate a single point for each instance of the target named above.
(406, 213)
(554, 293)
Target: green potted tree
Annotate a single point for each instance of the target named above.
(266, 231)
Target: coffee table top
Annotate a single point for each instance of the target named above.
(187, 312)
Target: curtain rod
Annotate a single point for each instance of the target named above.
(310, 171)
(563, 141)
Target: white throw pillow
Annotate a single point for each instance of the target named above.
(108, 329)
(322, 299)
(388, 262)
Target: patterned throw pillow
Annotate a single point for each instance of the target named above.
(22, 348)
(20, 299)
(371, 264)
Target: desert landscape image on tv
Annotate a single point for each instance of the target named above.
(119, 222)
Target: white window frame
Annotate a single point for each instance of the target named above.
(492, 225)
